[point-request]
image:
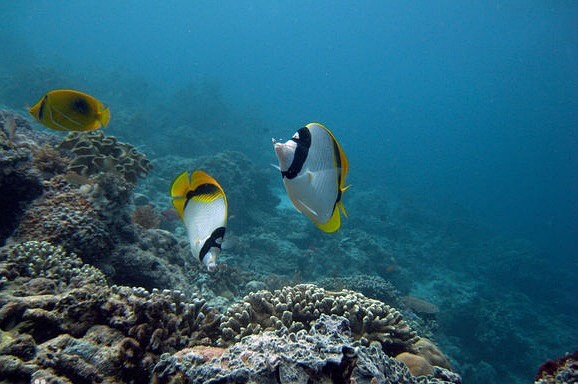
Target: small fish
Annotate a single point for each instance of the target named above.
(202, 205)
(68, 110)
(314, 167)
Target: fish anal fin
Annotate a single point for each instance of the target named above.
(332, 224)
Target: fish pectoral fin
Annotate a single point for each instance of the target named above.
(307, 208)
(310, 176)
(276, 167)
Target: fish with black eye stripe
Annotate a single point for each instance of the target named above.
(69, 110)
(202, 205)
(313, 167)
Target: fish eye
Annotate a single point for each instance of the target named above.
(296, 136)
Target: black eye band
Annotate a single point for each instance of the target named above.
(301, 152)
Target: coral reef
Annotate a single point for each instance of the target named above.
(373, 287)
(297, 307)
(40, 259)
(154, 260)
(146, 216)
(561, 370)
(65, 217)
(95, 153)
(60, 321)
(324, 353)
(20, 181)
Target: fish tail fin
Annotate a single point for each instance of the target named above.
(179, 189)
(332, 224)
(104, 117)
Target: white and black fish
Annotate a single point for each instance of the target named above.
(314, 167)
(202, 205)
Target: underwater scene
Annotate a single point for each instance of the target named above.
(288, 192)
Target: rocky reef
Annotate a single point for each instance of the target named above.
(561, 370)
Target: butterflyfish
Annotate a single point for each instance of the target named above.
(68, 110)
(202, 205)
(313, 167)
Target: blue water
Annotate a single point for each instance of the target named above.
(472, 108)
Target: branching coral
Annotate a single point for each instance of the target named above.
(40, 259)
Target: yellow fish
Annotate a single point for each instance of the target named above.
(68, 110)
(202, 205)
(314, 167)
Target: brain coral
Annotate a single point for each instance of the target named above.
(297, 307)
(94, 153)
